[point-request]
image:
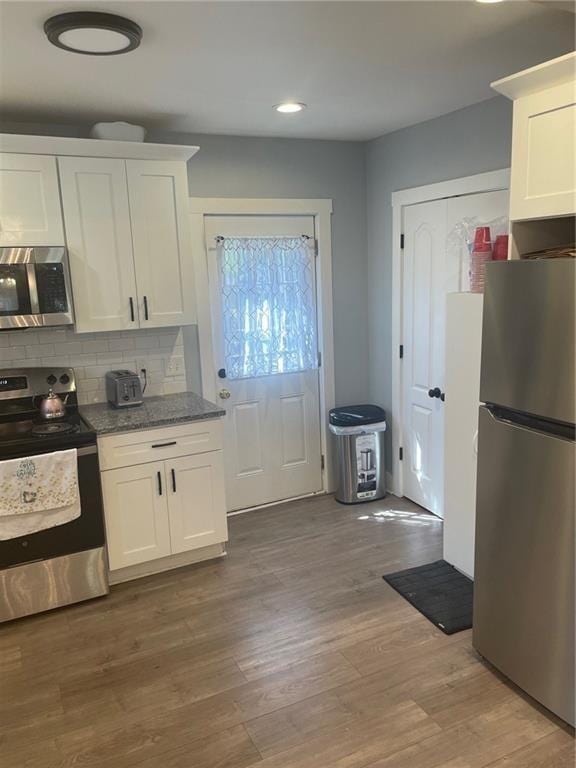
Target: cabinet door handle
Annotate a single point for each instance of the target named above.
(159, 483)
(131, 309)
(163, 445)
(145, 307)
(173, 480)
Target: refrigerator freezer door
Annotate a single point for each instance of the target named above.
(524, 567)
(528, 337)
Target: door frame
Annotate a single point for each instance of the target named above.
(321, 211)
(467, 185)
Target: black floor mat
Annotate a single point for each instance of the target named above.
(439, 592)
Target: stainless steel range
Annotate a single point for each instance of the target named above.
(66, 563)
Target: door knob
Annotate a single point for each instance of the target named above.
(224, 394)
(436, 392)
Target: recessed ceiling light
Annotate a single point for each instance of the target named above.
(289, 107)
(95, 34)
(489, 2)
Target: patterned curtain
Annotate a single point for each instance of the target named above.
(268, 305)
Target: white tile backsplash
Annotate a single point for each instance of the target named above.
(92, 354)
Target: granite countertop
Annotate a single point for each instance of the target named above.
(157, 411)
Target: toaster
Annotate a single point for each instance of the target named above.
(123, 388)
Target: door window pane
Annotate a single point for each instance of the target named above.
(14, 293)
(268, 305)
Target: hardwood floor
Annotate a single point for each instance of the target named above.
(290, 653)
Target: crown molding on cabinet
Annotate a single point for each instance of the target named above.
(72, 147)
(538, 78)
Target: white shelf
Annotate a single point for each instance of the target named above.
(64, 146)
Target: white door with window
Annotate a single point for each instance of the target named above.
(434, 264)
(263, 303)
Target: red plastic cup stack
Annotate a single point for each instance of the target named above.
(481, 253)
(500, 248)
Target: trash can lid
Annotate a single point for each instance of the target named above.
(356, 415)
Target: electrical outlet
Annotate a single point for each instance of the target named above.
(175, 366)
(142, 363)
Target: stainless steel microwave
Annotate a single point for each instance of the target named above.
(34, 288)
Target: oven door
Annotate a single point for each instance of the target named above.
(84, 533)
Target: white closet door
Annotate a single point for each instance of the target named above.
(162, 242)
(97, 218)
(423, 337)
(30, 212)
(436, 263)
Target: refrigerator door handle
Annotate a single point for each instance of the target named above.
(531, 422)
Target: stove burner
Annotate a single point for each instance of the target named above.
(54, 428)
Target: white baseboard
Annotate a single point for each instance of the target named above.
(166, 564)
(276, 503)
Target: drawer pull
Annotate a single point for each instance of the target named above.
(173, 481)
(163, 445)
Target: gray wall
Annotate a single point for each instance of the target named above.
(228, 166)
(360, 178)
(472, 140)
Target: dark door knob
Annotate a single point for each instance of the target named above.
(222, 373)
(436, 392)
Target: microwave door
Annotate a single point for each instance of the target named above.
(18, 297)
(35, 287)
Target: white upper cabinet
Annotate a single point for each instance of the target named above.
(129, 239)
(97, 217)
(543, 180)
(30, 212)
(158, 193)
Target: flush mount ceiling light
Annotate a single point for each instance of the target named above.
(94, 34)
(489, 2)
(290, 107)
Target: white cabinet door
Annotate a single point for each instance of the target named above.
(30, 212)
(97, 218)
(136, 511)
(162, 242)
(196, 501)
(543, 154)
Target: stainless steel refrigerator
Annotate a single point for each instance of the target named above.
(524, 572)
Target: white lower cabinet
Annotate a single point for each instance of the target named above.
(156, 509)
(195, 498)
(136, 505)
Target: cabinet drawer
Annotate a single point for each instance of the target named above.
(139, 447)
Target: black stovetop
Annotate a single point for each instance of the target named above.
(25, 433)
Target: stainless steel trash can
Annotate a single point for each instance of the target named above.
(359, 434)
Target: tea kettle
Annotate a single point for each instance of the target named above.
(52, 406)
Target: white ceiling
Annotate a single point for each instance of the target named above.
(364, 68)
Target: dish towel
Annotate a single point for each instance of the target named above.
(38, 492)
